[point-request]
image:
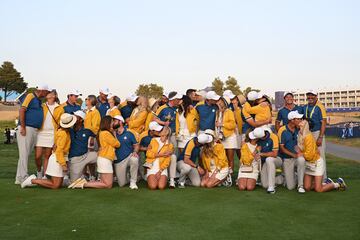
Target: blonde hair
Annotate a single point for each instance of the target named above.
(166, 131)
(208, 150)
(304, 131)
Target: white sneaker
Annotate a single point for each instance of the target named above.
(39, 175)
(181, 185)
(172, 183)
(27, 181)
(66, 181)
(133, 186)
(271, 190)
(301, 189)
(17, 182)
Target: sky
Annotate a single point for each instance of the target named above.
(269, 45)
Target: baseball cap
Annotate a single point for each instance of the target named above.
(80, 113)
(105, 90)
(201, 93)
(252, 96)
(75, 92)
(205, 138)
(294, 114)
(120, 118)
(43, 87)
(211, 95)
(154, 126)
(228, 93)
(313, 92)
(177, 96)
(132, 98)
(257, 133)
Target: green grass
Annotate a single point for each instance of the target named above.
(6, 124)
(190, 213)
(351, 142)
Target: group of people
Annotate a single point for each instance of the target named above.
(175, 141)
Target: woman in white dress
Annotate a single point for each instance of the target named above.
(46, 135)
(186, 123)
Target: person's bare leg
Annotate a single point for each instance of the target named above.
(38, 158)
(319, 187)
(213, 181)
(162, 182)
(250, 184)
(48, 152)
(230, 153)
(152, 182)
(307, 182)
(242, 184)
(238, 153)
(53, 183)
(106, 181)
(204, 180)
(92, 169)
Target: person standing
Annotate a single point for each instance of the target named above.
(71, 105)
(128, 106)
(114, 102)
(46, 135)
(57, 167)
(102, 102)
(282, 116)
(315, 113)
(31, 115)
(138, 116)
(289, 153)
(207, 112)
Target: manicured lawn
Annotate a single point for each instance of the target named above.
(190, 213)
(351, 142)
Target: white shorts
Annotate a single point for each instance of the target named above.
(254, 174)
(45, 139)
(155, 169)
(315, 169)
(230, 142)
(221, 175)
(104, 165)
(54, 169)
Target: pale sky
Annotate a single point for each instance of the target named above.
(271, 45)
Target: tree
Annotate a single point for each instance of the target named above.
(232, 84)
(11, 80)
(150, 90)
(218, 86)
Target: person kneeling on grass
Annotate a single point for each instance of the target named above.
(57, 166)
(215, 163)
(249, 161)
(106, 156)
(158, 158)
(314, 165)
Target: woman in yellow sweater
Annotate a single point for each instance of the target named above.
(226, 130)
(92, 117)
(315, 169)
(138, 116)
(250, 161)
(158, 158)
(107, 144)
(57, 166)
(215, 163)
(114, 102)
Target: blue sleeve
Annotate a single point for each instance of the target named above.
(301, 110)
(90, 133)
(279, 116)
(283, 138)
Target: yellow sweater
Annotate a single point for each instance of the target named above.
(192, 121)
(56, 114)
(108, 143)
(92, 120)
(153, 149)
(114, 112)
(137, 120)
(229, 123)
(220, 158)
(238, 119)
(310, 151)
(247, 156)
(261, 112)
(62, 142)
(149, 118)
